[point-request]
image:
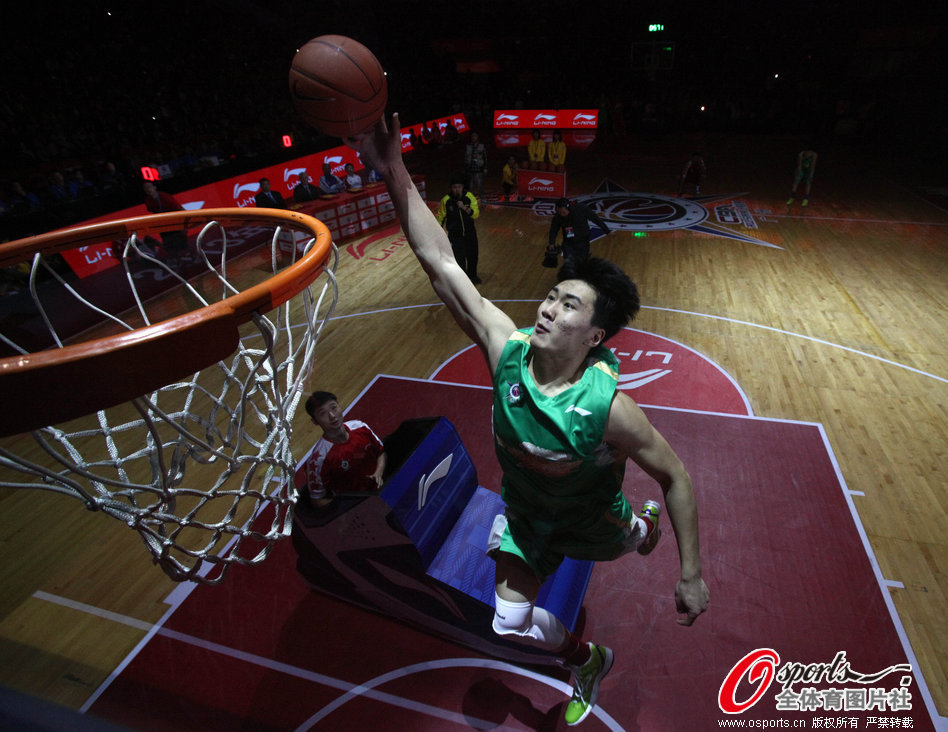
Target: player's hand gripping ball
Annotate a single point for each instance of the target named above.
(338, 86)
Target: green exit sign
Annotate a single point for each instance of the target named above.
(655, 27)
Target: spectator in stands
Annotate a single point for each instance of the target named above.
(21, 201)
(353, 180)
(175, 243)
(57, 191)
(267, 198)
(305, 191)
(450, 133)
(556, 153)
(536, 153)
(158, 201)
(330, 183)
(111, 182)
(349, 456)
(79, 186)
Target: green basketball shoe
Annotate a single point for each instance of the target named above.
(586, 680)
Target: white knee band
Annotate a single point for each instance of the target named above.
(533, 625)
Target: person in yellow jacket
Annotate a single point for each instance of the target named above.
(456, 213)
(556, 153)
(536, 152)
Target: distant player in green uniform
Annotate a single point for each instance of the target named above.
(806, 167)
(563, 433)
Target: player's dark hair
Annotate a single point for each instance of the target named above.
(317, 399)
(617, 297)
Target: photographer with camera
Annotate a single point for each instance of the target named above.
(456, 214)
(572, 218)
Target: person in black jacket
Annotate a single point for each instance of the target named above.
(267, 198)
(456, 213)
(572, 219)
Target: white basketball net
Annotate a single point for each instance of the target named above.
(200, 468)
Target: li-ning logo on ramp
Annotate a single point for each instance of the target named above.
(425, 482)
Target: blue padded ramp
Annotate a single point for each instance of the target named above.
(462, 563)
(415, 551)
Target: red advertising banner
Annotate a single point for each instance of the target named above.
(239, 192)
(578, 119)
(552, 119)
(520, 138)
(541, 183)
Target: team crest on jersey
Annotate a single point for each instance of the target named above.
(513, 393)
(344, 465)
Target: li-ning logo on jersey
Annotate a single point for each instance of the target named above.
(579, 410)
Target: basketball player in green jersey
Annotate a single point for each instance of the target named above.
(563, 433)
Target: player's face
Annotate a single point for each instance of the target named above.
(564, 318)
(329, 417)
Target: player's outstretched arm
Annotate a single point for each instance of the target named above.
(487, 325)
(629, 430)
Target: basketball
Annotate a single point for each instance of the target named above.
(338, 86)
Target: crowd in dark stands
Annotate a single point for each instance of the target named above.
(199, 91)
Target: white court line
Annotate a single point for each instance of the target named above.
(697, 315)
(941, 723)
(847, 220)
(351, 691)
(804, 337)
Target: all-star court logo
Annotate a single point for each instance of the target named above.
(626, 210)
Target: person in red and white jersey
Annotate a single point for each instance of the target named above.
(349, 457)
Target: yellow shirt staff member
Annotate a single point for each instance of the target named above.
(509, 179)
(536, 153)
(556, 153)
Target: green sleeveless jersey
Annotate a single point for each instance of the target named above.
(562, 484)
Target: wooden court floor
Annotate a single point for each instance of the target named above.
(834, 315)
